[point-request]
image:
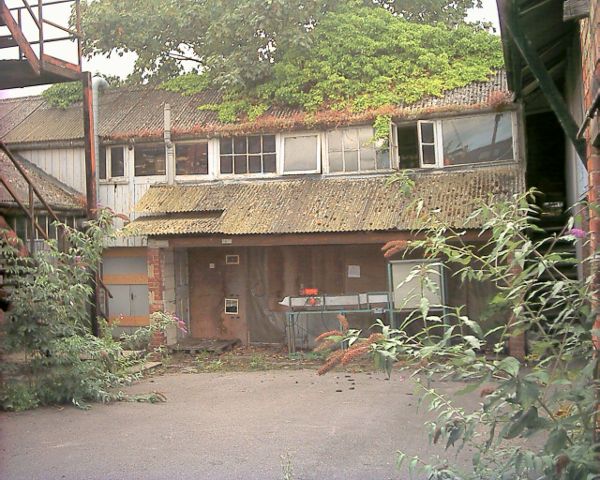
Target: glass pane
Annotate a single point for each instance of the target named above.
(225, 146)
(367, 158)
(350, 139)
(300, 153)
(269, 164)
(226, 164)
(351, 160)
(427, 132)
(428, 155)
(239, 164)
(334, 141)
(148, 160)
(268, 143)
(52, 231)
(41, 221)
(191, 159)
(335, 162)
(117, 162)
(365, 137)
(254, 164)
(254, 144)
(483, 138)
(239, 145)
(102, 164)
(383, 160)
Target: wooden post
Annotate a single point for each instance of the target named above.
(90, 186)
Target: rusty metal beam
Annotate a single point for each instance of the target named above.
(17, 34)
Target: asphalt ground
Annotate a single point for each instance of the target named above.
(234, 425)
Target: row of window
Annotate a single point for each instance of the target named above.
(424, 144)
(22, 226)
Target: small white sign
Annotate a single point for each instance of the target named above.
(353, 271)
(226, 241)
(211, 265)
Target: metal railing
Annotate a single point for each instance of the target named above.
(35, 12)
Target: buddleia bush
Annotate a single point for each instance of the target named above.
(51, 356)
(550, 394)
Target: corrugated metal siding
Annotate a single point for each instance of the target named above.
(321, 204)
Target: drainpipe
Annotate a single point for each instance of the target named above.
(170, 165)
(98, 83)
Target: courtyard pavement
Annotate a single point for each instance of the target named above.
(280, 424)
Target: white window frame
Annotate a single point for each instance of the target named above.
(148, 178)
(391, 152)
(108, 159)
(216, 162)
(232, 259)
(195, 176)
(438, 143)
(282, 138)
(234, 301)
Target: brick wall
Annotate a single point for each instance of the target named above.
(590, 63)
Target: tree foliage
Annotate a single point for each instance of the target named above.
(283, 45)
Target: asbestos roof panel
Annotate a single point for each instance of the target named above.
(323, 204)
(137, 112)
(58, 195)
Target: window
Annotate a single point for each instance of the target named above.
(456, 141)
(353, 150)
(427, 144)
(301, 154)
(231, 306)
(149, 160)
(232, 259)
(191, 158)
(415, 279)
(484, 138)
(247, 155)
(111, 163)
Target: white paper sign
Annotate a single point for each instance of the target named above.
(353, 271)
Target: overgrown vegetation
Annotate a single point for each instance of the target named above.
(49, 355)
(355, 55)
(550, 395)
(63, 95)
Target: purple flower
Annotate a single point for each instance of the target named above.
(577, 233)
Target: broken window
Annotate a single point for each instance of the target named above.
(191, 158)
(149, 160)
(301, 154)
(247, 155)
(354, 150)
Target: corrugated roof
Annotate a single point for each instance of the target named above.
(137, 112)
(316, 205)
(58, 195)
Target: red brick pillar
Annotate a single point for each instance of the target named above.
(155, 289)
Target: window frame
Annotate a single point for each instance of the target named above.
(319, 143)
(217, 157)
(438, 138)
(236, 302)
(157, 175)
(392, 155)
(108, 164)
(193, 176)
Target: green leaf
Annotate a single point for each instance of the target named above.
(509, 365)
